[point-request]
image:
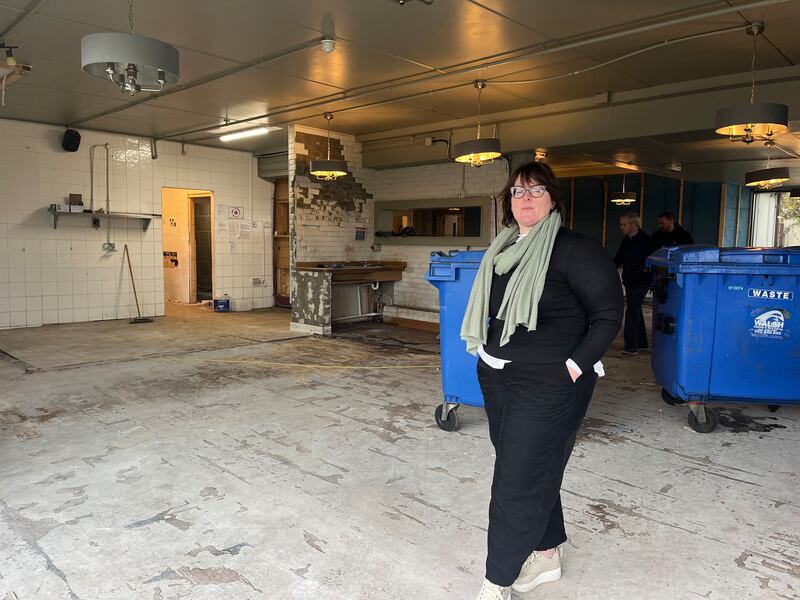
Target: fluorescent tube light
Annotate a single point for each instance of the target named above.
(246, 133)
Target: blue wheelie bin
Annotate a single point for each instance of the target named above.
(726, 327)
(453, 273)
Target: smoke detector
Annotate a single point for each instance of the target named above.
(10, 70)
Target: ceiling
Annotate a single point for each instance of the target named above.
(395, 66)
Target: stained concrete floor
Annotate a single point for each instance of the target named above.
(183, 328)
(311, 468)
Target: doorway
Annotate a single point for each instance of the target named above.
(201, 208)
(280, 243)
(188, 245)
(765, 220)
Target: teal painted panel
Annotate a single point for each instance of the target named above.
(613, 234)
(701, 211)
(744, 218)
(660, 194)
(731, 212)
(588, 218)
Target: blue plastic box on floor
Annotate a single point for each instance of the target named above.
(222, 304)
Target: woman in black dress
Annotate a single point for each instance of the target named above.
(544, 308)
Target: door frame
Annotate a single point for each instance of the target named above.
(193, 197)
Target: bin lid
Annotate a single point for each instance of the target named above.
(443, 265)
(457, 256)
(699, 258)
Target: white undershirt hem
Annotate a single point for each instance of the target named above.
(499, 363)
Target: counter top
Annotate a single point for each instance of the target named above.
(362, 270)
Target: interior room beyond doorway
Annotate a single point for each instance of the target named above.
(187, 245)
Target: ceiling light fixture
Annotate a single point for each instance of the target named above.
(246, 133)
(749, 122)
(132, 62)
(328, 169)
(479, 151)
(10, 70)
(622, 198)
(769, 178)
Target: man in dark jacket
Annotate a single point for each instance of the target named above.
(669, 233)
(635, 247)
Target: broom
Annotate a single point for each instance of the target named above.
(139, 318)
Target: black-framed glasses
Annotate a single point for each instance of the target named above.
(536, 191)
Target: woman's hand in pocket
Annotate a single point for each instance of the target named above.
(573, 374)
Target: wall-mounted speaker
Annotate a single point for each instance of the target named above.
(71, 140)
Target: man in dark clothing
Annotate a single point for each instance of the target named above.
(669, 233)
(635, 247)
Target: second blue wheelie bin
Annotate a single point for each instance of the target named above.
(452, 273)
(726, 327)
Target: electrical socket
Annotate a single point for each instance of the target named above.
(257, 281)
(109, 247)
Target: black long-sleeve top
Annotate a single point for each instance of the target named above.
(580, 311)
(677, 237)
(631, 256)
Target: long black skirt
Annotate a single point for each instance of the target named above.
(534, 411)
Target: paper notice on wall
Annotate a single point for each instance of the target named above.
(221, 217)
(244, 231)
(233, 247)
(233, 229)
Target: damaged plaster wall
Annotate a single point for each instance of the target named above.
(328, 220)
(311, 305)
(324, 216)
(328, 213)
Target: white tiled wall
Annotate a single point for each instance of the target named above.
(63, 275)
(428, 182)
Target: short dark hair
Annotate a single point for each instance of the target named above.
(541, 174)
(666, 215)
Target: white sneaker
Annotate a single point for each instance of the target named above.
(490, 591)
(538, 569)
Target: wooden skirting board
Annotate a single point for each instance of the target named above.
(412, 323)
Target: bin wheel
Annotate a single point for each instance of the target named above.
(773, 407)
(670, 399)
(707, 427)
(448, 424)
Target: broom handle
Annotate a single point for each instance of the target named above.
(133, 284)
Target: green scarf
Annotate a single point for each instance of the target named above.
(520, 304)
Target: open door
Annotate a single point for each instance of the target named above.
(203, 276)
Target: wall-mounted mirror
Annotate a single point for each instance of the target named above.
(422, 222)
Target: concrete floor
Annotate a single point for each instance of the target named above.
(183, 328)
(312, 469)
